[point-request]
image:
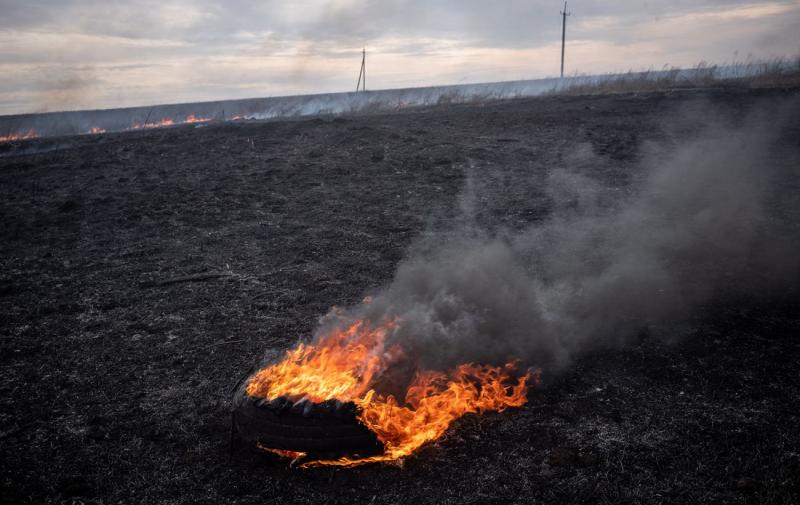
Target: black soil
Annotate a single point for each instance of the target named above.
(144, 273)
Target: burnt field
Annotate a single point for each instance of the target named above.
(144, 273)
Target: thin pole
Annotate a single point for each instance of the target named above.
(564, 15)
(148, 115)
(360, 72)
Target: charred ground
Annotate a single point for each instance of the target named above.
(144, 273)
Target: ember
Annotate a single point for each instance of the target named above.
(282, 453)
(345, 366)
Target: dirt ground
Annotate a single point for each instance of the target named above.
(144, 273)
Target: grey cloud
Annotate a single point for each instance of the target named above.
(515, 23)
(60, 35)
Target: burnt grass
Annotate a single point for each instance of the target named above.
(144, 273)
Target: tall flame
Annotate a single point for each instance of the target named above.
(344, 365)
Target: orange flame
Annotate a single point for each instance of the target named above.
(159, 124)
(282, 453)
(191, 118)
(30, 134)
(344, 365)
(96, 131)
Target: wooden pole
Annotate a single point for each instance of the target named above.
(360, 73)
(564, 15)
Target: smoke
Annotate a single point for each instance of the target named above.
(69, 89)
(616, 250)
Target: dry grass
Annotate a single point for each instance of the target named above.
(749, 74)
(774, 73)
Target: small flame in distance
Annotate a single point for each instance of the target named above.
(190, 119)
(30, 134)
(345, 364)
(158, 124)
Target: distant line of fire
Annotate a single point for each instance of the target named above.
(190, 119)
(30, 134)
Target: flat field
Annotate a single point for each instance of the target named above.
(144, 273)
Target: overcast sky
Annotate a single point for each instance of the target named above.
(77, 54)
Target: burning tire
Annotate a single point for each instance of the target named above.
(274, 408)
(326, 430)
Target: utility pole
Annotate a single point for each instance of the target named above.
(564, 15)
(362, 74)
